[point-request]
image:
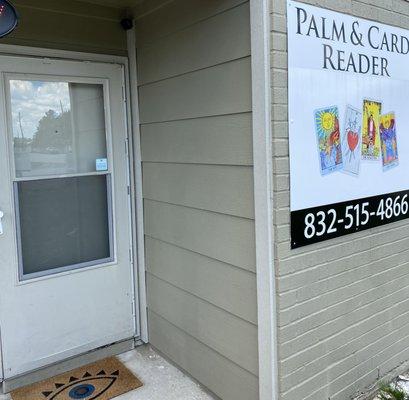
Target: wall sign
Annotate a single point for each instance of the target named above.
(348, 123)
(8, 18)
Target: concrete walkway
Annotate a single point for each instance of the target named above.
(161, 379)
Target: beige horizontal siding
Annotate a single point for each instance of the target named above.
(74, 7)
(195, 107)
(166, 58)
(204, 277)
(221, 188)
(207, 92)
(177, 15)
(223, 237)
(225, 333)
(68, 25)
(343, 308)
(213, 140)
(226, 379)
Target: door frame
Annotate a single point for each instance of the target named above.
(135, 169)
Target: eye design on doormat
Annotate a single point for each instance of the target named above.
(89, 387)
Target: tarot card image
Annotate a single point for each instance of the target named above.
(389, 143)
(328, 138)
(351, 140)
(371, 144)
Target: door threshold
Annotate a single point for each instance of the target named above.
(68, 364)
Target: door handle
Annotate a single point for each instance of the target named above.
(1, 222)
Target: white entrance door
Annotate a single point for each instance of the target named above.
(66, 284)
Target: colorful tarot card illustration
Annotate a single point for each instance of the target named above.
(389, 143)
(329, 140)
(351, 140)
(371, 143)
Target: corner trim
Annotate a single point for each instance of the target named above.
(263, 182)
(140, 275)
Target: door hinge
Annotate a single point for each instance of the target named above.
(123, 94)
(133, 307)
(130, 255)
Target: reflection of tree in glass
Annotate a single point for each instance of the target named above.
(21, 143)
(53, 135)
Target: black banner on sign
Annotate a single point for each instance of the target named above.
(316, 224)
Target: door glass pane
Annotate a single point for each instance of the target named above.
(58, 127)
(63, 223)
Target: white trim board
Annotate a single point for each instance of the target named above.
(140, 281)
(11, 49)
(263, 175)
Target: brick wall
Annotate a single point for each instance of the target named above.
(343, 305)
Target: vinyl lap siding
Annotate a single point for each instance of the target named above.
(343, 304)
(68, 25)
(195, 111)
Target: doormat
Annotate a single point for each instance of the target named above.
(102, 380)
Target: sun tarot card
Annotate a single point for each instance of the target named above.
(371, 143)
(351, 140)
(389, 144)
(329, 141)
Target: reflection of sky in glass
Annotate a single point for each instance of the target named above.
(32, 99)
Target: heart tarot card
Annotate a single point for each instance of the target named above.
(351, 140)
